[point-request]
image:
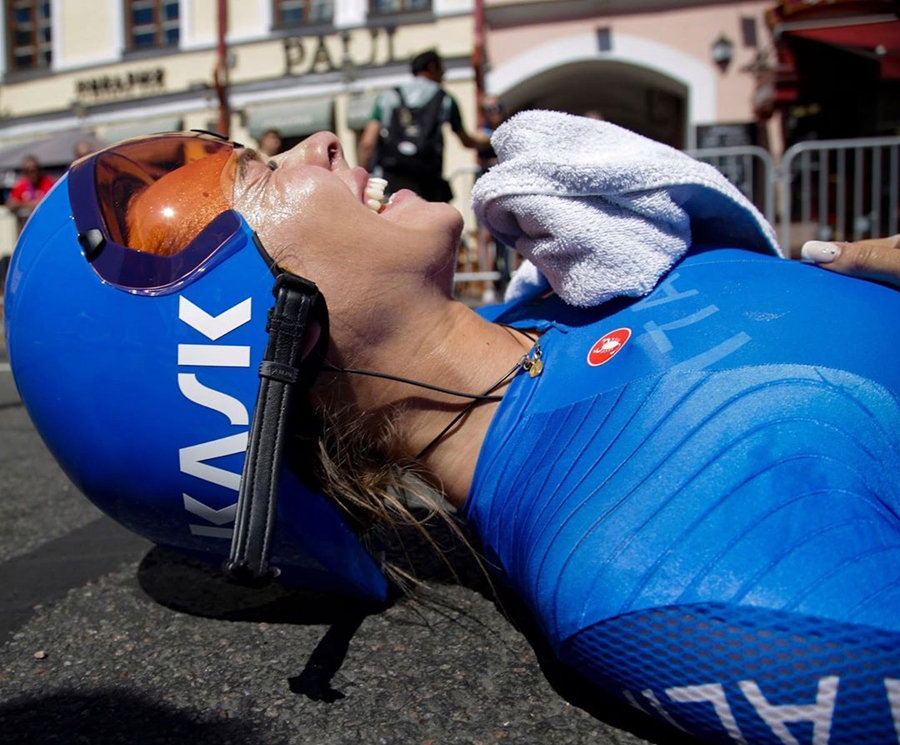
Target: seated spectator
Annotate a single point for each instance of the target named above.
(270, 143)
(82, 148)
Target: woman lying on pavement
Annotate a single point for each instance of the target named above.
(691, 482)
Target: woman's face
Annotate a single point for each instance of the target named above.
(493, 112)
(309, 208)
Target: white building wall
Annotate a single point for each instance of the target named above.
(248, 20)
(86, 33)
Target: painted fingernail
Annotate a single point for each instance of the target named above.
(820, 252)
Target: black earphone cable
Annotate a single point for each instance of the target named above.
(450, 392)
(471, 405)
(530, 362)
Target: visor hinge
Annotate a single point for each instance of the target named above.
(92, 241)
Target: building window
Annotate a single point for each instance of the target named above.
(28, 27)
(291, 13)
(390, 7)
(152, 23)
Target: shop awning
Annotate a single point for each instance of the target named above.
(359, 109)
(52, 151)
(868, 27)
(885, 34)
(139, 127)
(880, 38)
(297, 117)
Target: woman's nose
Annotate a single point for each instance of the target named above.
(322, 149)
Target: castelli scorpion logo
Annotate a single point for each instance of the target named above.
(608, 347)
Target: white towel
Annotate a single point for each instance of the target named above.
(601, 211)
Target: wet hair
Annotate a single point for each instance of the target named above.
(393, 506)
(388, 500)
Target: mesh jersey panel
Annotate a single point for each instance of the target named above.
(735, 674)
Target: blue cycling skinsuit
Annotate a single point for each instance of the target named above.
(698, 498)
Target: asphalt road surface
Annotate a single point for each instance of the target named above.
(108, 639)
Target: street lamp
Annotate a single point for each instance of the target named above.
(723, 52)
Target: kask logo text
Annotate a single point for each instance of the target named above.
(193, 459)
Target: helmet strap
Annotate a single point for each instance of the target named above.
(296, 300)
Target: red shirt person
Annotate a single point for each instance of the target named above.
(30, 189)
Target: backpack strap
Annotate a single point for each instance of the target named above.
(433, 112)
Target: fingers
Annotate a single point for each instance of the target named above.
(876, 258)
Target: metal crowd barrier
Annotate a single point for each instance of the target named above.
(751, 169)
(840, 189)
(837, 190)
(462, 179)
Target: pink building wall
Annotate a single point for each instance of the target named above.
(673, 41)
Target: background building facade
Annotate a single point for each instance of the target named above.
(653, 67)
(691, 73)
(112, 69)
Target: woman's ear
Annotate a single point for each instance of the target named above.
(310, 338)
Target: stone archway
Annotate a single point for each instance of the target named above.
(640, 84)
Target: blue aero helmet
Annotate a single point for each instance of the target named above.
(165, 383)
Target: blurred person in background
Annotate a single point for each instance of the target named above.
(403, 138)
(493, 114)
(82, 148)
(270, 143)
(29, 190)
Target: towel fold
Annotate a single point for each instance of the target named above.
(600, 211)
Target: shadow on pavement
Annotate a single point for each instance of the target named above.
(198, 589)
(193, 587)
(110, 717)
(190, 586)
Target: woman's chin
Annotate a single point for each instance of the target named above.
(405, 203)
(398, 198)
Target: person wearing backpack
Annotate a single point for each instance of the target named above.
(403, 141)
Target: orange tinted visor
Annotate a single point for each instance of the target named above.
(157, 194)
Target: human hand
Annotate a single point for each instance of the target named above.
(876, 258)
